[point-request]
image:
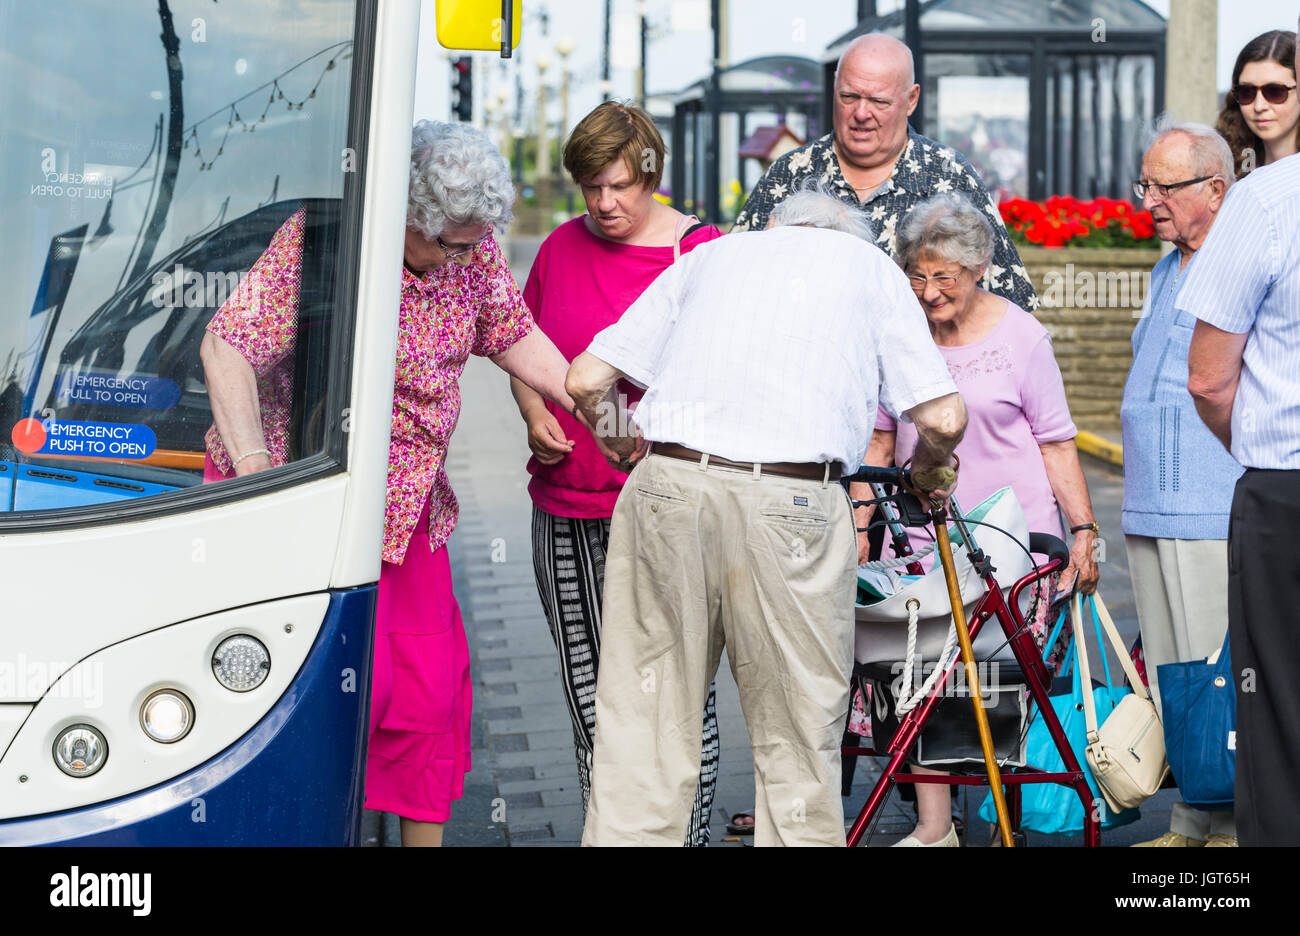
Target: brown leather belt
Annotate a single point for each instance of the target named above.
(809, 471)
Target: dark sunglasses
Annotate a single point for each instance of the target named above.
(1273, 92)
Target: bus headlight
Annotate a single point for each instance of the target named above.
(80, 751)
(241, 663)
(166, 716)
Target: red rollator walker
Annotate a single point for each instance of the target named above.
(1014, 654)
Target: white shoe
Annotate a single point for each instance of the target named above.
(948, 841)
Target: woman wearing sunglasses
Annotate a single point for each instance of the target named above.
(1261, 112)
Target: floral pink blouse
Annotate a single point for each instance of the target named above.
(446, 315)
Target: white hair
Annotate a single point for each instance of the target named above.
(814, 206)
(1211, 154)
(949, 227)
(457, 177)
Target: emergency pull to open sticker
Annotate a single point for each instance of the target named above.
(112, 390)
(89, 439)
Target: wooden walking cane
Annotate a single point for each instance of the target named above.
(944, 548)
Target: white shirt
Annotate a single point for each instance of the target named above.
(774, 346)
(1247, 280)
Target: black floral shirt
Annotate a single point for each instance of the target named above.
(924, 169)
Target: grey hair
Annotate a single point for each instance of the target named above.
(1211, 154)
(948, 226)
(814, 206)
(457, 177)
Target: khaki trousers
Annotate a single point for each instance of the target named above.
(702, 557)
(1180, 588)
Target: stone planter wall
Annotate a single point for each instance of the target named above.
(1090, 300)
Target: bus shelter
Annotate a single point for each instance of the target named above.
(769, 90)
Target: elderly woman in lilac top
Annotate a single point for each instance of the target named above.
(1020, 433)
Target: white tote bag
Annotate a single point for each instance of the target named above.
(881, 632)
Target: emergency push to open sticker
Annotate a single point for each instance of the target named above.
(88, 439)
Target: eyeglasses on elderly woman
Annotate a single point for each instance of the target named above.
(942, 281)
(452, 251)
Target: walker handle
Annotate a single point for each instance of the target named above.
(871, 474)
(1045, 544)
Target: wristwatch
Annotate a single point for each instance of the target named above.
(1092, 525)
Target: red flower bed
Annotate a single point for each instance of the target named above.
(1064, 219)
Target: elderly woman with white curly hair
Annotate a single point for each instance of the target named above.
(457, 298)
(1020, 433)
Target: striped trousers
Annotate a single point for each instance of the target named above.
(569, 560)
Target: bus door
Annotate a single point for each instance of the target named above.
(187, 660)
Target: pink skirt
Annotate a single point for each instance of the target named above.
(420, 692)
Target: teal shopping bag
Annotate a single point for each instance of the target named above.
(1051, 808)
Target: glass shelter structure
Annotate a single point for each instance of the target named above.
(766, 90)
(1045, 97)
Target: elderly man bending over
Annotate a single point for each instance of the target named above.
(763, 354)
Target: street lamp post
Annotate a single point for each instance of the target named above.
(605, 83)
(518, 134)
(502, 102)
(498, 120)
(543, 151)
(644, 30)
(543, 145)
(564, 47)
(713, 104)
(490, 113)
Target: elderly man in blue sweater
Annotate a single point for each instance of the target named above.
(1178, 479)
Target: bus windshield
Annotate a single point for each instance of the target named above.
(151, 153)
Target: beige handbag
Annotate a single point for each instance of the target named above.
(1127, 753)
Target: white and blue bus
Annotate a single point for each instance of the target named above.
(181, 662)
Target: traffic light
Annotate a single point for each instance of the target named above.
(462, 87)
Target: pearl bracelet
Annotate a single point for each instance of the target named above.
(260, 451)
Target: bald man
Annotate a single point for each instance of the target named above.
(875, 160)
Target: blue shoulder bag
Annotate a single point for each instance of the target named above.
(1199, 703)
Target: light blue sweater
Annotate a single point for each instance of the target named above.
(1178, 478)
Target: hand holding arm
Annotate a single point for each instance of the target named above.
(592, 382)
(535, 361)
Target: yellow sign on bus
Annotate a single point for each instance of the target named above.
(477, 25)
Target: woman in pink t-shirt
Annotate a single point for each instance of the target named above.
(1019, 432)
(585, 276)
